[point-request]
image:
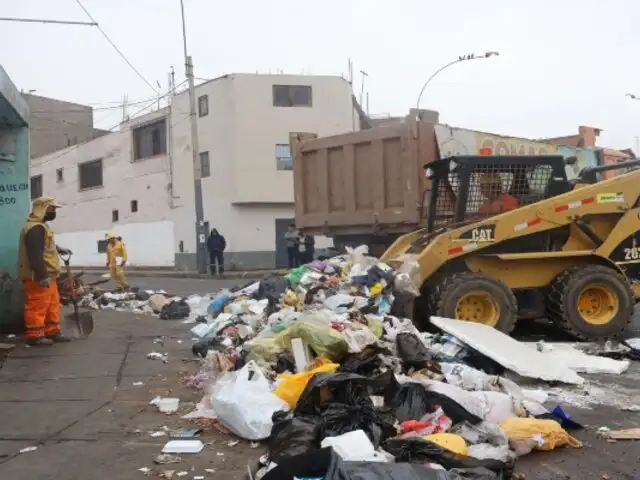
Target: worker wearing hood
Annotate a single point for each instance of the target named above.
(116, 260)
(39, 270)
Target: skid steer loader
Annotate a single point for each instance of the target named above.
(510, 237)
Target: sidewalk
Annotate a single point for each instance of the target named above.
(78, 405)
(171, 273)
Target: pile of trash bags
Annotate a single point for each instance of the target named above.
(319, 364)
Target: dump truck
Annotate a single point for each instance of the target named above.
(363, 187)
(511, 238)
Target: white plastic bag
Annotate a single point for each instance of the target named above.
(355, 446)
(244, 403)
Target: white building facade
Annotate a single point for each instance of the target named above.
(138, 182)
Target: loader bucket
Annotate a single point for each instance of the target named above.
(77, 325)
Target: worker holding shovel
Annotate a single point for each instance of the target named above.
(116, 260)
(39, 270)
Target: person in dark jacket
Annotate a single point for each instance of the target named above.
(216, 245)
(292, 239)
(307, 247)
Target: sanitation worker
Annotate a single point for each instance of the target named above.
(39, 266)
(496, 201)
(116, 260)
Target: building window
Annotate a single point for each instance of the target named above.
(150, 140)
(292, 96)
(203, 105)
(283, 157)
(115, 216)
(205, 166)
(134, 206)
(36, 186)
(59, 175)
(90, 174)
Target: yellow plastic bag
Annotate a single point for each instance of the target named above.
(291, 386)
(548, 434)
(449, 441)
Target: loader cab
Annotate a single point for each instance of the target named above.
(471, 188)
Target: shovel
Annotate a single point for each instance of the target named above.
(78, 324)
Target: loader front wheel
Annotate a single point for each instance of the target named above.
(591, 302)
(476, 297)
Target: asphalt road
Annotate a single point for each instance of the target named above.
(176, 286)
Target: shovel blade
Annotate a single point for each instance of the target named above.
(78, 325)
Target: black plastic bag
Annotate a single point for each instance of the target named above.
(342, 402)
(365, 362)
(272, 288)
(479, 473)
(412, 401)
(326, 464)
(418, 450)
(176, 310)
(292, 436)
(412, 351)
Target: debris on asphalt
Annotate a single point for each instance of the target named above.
(28, 449)
(166, 404)
(625, 434)
(164, 459)
(183, 446)
(320, 365)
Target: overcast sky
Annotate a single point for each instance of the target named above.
(562, 63)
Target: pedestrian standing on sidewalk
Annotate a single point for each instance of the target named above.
(216, 244)
(39, 272)
(292, 238)
(307, 248)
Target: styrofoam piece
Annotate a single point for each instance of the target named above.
(355, 446)
(508, 352)
(301, 354)
(183, 446)
(566, 354)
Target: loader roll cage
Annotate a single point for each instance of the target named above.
(471, 188)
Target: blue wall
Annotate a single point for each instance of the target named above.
(14, 198)
(587, 157)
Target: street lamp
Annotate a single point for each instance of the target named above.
(462, 58)
(631, 96)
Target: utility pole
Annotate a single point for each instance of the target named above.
(200, 229)
(364, 76)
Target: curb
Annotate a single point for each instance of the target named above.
(185, 275)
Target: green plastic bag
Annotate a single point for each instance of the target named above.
(295, 275)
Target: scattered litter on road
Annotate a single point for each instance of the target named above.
(164, 459)
(138, 384)
(320, 357)
(626, 434)
(158, 356)
(145, 470)
(28, 449)
(166, 404)
(183, 446)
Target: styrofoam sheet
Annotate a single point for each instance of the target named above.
(580, 362)
(508, 352)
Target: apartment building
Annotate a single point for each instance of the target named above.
(138, 182)
(56, 124)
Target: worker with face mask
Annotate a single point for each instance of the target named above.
(116, 260)
(39, 266)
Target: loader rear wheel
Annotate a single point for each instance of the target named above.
(476, 297)
(591, 302)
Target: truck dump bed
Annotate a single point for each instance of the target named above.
(365, 182)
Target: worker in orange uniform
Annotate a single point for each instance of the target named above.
(496, 201)
(116, 260)
(39, 270)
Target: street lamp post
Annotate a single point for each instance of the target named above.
(460, 59)
(632, 96)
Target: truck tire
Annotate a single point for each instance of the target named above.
(475, 297)
(591, 302)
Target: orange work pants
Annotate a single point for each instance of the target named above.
(41, 309)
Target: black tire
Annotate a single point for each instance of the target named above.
(445, 296)
(562, 303)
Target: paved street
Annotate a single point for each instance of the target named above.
(177, 286)
(78, 404)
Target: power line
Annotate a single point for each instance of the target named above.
(116, 47)
(40, 20)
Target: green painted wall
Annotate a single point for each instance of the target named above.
(14, 199)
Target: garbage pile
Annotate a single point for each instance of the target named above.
(319, 364)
